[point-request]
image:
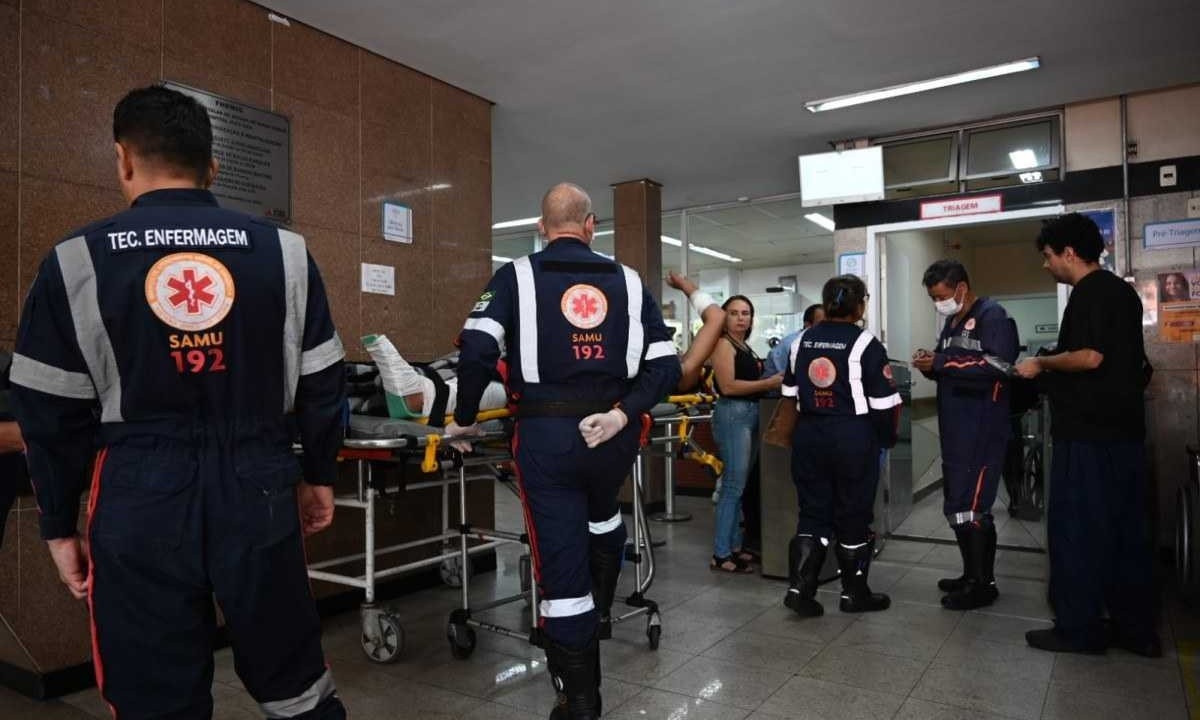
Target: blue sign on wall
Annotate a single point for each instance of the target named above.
(1106, 220)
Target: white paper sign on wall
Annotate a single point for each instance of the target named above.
(397, 223)
(378, 279)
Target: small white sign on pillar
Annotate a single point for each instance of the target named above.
(397, 223)
(378, 279)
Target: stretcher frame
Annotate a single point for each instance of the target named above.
(382, 632)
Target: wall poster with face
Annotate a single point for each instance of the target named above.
(1179, 306)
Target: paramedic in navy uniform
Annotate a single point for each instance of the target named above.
(973, 422)
(188, 341)
(588, 354)
(839, 381)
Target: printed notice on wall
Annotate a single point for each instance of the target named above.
(397, 223)
(378, 279)
(254, 149)
(1179, 306)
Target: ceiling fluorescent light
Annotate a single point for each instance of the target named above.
(821, 220)
(1023, 159)
(668, 240)
(843, 101)
(516, 223)
(501, 259)
(598, 233)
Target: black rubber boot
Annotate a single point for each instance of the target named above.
(606, 571)
(806, 555)
(855, 563)
(979, 590)
(575, 674)
(949, 585)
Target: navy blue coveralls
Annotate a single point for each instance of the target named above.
(973, 399)
(839, 375)
(582, 335)
(190, 343)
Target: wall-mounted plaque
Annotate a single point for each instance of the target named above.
(254, 149)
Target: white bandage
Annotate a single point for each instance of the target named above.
(700, 301)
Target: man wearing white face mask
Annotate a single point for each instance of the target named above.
(977, 342)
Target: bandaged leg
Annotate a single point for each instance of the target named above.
(399, 378)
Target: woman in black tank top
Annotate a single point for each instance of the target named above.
(738, 374)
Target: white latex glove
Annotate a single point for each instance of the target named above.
(601, 427)
(459, 437)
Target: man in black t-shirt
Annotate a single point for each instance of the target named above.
(1099, 554)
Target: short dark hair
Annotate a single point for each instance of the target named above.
(842, 295)
(810, 312)
(743, 298)
(1072, 231)
(165, 125)
(950, 272)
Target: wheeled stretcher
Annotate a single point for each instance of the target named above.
(372, 441)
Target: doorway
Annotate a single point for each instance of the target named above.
(1003, 264)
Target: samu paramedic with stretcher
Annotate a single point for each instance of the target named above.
(977, 343)
(588, 354)
(189, 340)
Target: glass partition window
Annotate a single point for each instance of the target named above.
(1012, 150)
(975, 157)
(922, 161)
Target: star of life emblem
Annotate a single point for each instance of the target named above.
(584, 306)
(822, 372)
(189, 291)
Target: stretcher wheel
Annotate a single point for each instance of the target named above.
(383, 638)
(1187, 534)
(654, 630)
(451, 570)
(462, 640)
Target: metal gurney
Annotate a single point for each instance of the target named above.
(383, 440)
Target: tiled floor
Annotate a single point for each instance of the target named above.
(730, 651)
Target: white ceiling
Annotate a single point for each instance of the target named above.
(706, 96)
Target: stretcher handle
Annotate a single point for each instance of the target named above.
(429, 463)
(482, 416)
(691, 399)
(647, 423)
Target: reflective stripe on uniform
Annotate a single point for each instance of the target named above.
(790, 390)
(489, 326)
(964, 517)
(322, 356)
(79, 280)
(605, 526)
(45, 378)
(661, 348)
(886, 403)
(566, 607)
(637, 333)
(965, 343)
(856, 373)
(295, 290)
(306, 701)
(528, 323)
(793, 351)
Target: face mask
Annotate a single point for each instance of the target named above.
(949, 306)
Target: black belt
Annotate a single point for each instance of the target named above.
(561, 408)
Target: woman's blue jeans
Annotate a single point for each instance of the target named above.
(735, 428)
